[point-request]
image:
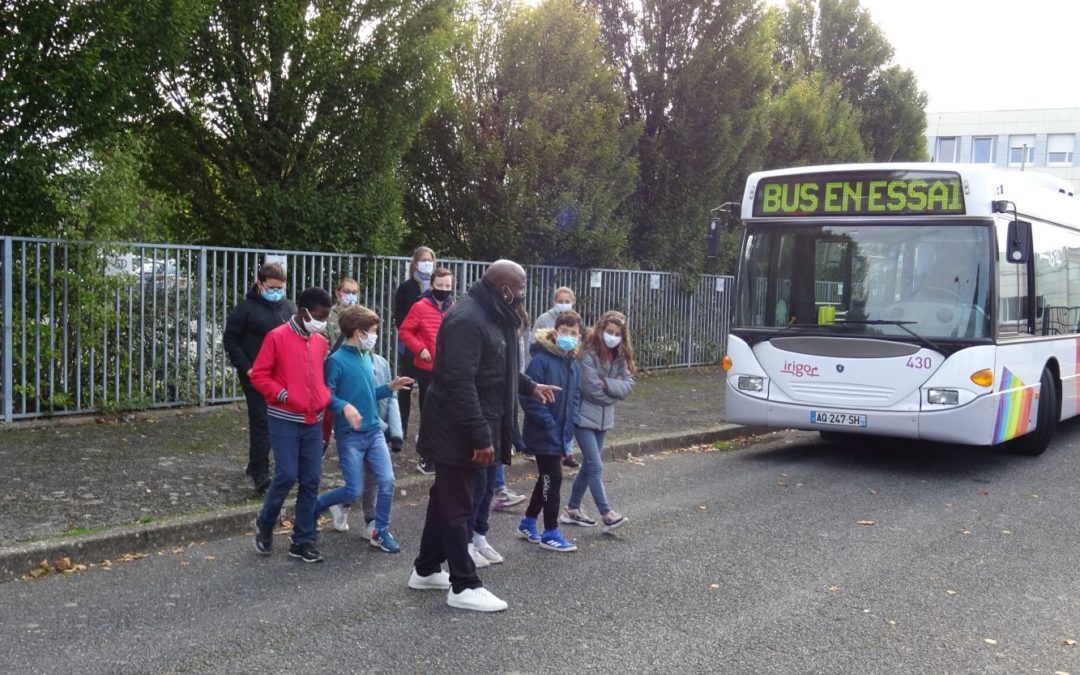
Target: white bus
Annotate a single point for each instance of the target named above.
(924, 301)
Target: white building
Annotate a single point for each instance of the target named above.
(1043, 140)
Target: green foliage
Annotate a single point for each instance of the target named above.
(697, 75)
(286, 122)
(811, 123)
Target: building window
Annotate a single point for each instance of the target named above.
(946, 149)
(1021, 150)
(1059, 149)
(982, 150)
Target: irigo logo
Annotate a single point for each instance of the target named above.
(799, 369)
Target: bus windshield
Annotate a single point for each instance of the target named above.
(930, 280)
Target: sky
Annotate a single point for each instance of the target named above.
(986, 54)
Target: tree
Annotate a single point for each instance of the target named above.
(811, 123)
(698, 75)
(839, 39)
(286, 122)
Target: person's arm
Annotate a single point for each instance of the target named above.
(401, 303)
(592, 387)
(465, 340)
(233, 338)
(535, 410)
(620, 386)
(333, 380)
(262, 372)
(410, 330)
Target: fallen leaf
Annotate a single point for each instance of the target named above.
(714, 586)
(1060, 672)
(990, 641)
(984, 492)
(865, 522)
(1070, 643)
(184, 563)
(106, 564)
(63, 564)
(873, 492)
(965, 532)
(208, 557)
(702, 508)
(948, 505)
(178, 549)
(891, 622)
(950, 592)
(834, 589)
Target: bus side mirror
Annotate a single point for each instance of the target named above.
(1018, 249)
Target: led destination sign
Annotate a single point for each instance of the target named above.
(860, 193)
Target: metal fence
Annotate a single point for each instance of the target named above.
(90, 327)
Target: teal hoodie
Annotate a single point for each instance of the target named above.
(351, 379)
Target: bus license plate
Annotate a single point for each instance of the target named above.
(837, 418)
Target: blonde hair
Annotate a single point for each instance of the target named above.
(420, 250)
(564, 289)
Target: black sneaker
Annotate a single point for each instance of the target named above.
(425, 467)
(570, 462)
(260, 480)
(264, 539)
(306, 552)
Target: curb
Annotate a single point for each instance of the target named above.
(18, 560)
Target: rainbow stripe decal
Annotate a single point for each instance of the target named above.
(1014, 407)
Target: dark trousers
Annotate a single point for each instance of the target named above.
(404, 396)
(258, 432)
(424, 378)
(446, 528)
(545, 496)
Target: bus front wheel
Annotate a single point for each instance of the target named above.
(1036, 442)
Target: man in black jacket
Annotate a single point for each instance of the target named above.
(263, 309)
(467, 424)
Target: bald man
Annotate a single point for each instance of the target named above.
(467, 424)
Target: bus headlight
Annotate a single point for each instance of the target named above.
(942, 396)
(751, 383)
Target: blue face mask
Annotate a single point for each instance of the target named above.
(349, 299)
(273, 294)
(566, 343)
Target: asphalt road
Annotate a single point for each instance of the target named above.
(752, 560)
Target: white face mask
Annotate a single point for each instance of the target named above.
(348, 299)
(561, 307)
(368, 343)
(425, 267)
(312, 325)
(612, 341)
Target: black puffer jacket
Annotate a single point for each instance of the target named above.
(470, 403)
(248, 324)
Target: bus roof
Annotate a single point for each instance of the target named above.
(906, 189)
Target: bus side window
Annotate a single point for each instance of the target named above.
(1012, 288)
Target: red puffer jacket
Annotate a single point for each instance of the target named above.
(420, 328)
(288, 372)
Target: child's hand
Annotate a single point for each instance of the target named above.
(401, 383)
(353, 416)
(425, 355)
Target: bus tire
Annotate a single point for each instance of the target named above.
(1035, 443)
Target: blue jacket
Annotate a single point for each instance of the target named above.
(351, 379)
(549, 427)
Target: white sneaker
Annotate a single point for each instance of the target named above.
(481, 545)
(339, 515)
(476, 599)
(478, 559)
(439, 581)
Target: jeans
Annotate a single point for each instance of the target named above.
(500, 477)
(258, 430)
(591, 473)
(446, 528)
(482, 493)
(355, 448)
(297, 457)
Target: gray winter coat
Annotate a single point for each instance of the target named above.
(603, 383)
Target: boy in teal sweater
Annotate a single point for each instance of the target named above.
(354, 400)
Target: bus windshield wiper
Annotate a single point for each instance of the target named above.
(903, 325)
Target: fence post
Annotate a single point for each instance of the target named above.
(200, 342)
(690, 332)
(9, 313)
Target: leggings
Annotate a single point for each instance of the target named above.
(545, 494)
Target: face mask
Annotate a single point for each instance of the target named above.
(566, 343)
(273, 294)
(349, 299)
(368, 343)
(515, 301)
(561, 307)
(312, 325)
(612, 341)
(440, 295)
(424, 268)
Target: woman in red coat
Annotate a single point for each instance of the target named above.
(420, 328)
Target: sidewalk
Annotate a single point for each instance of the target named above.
(156, 479)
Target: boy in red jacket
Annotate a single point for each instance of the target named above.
(288, 372)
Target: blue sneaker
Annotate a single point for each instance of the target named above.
(553, 540)
(384, 540)
(527, 530)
